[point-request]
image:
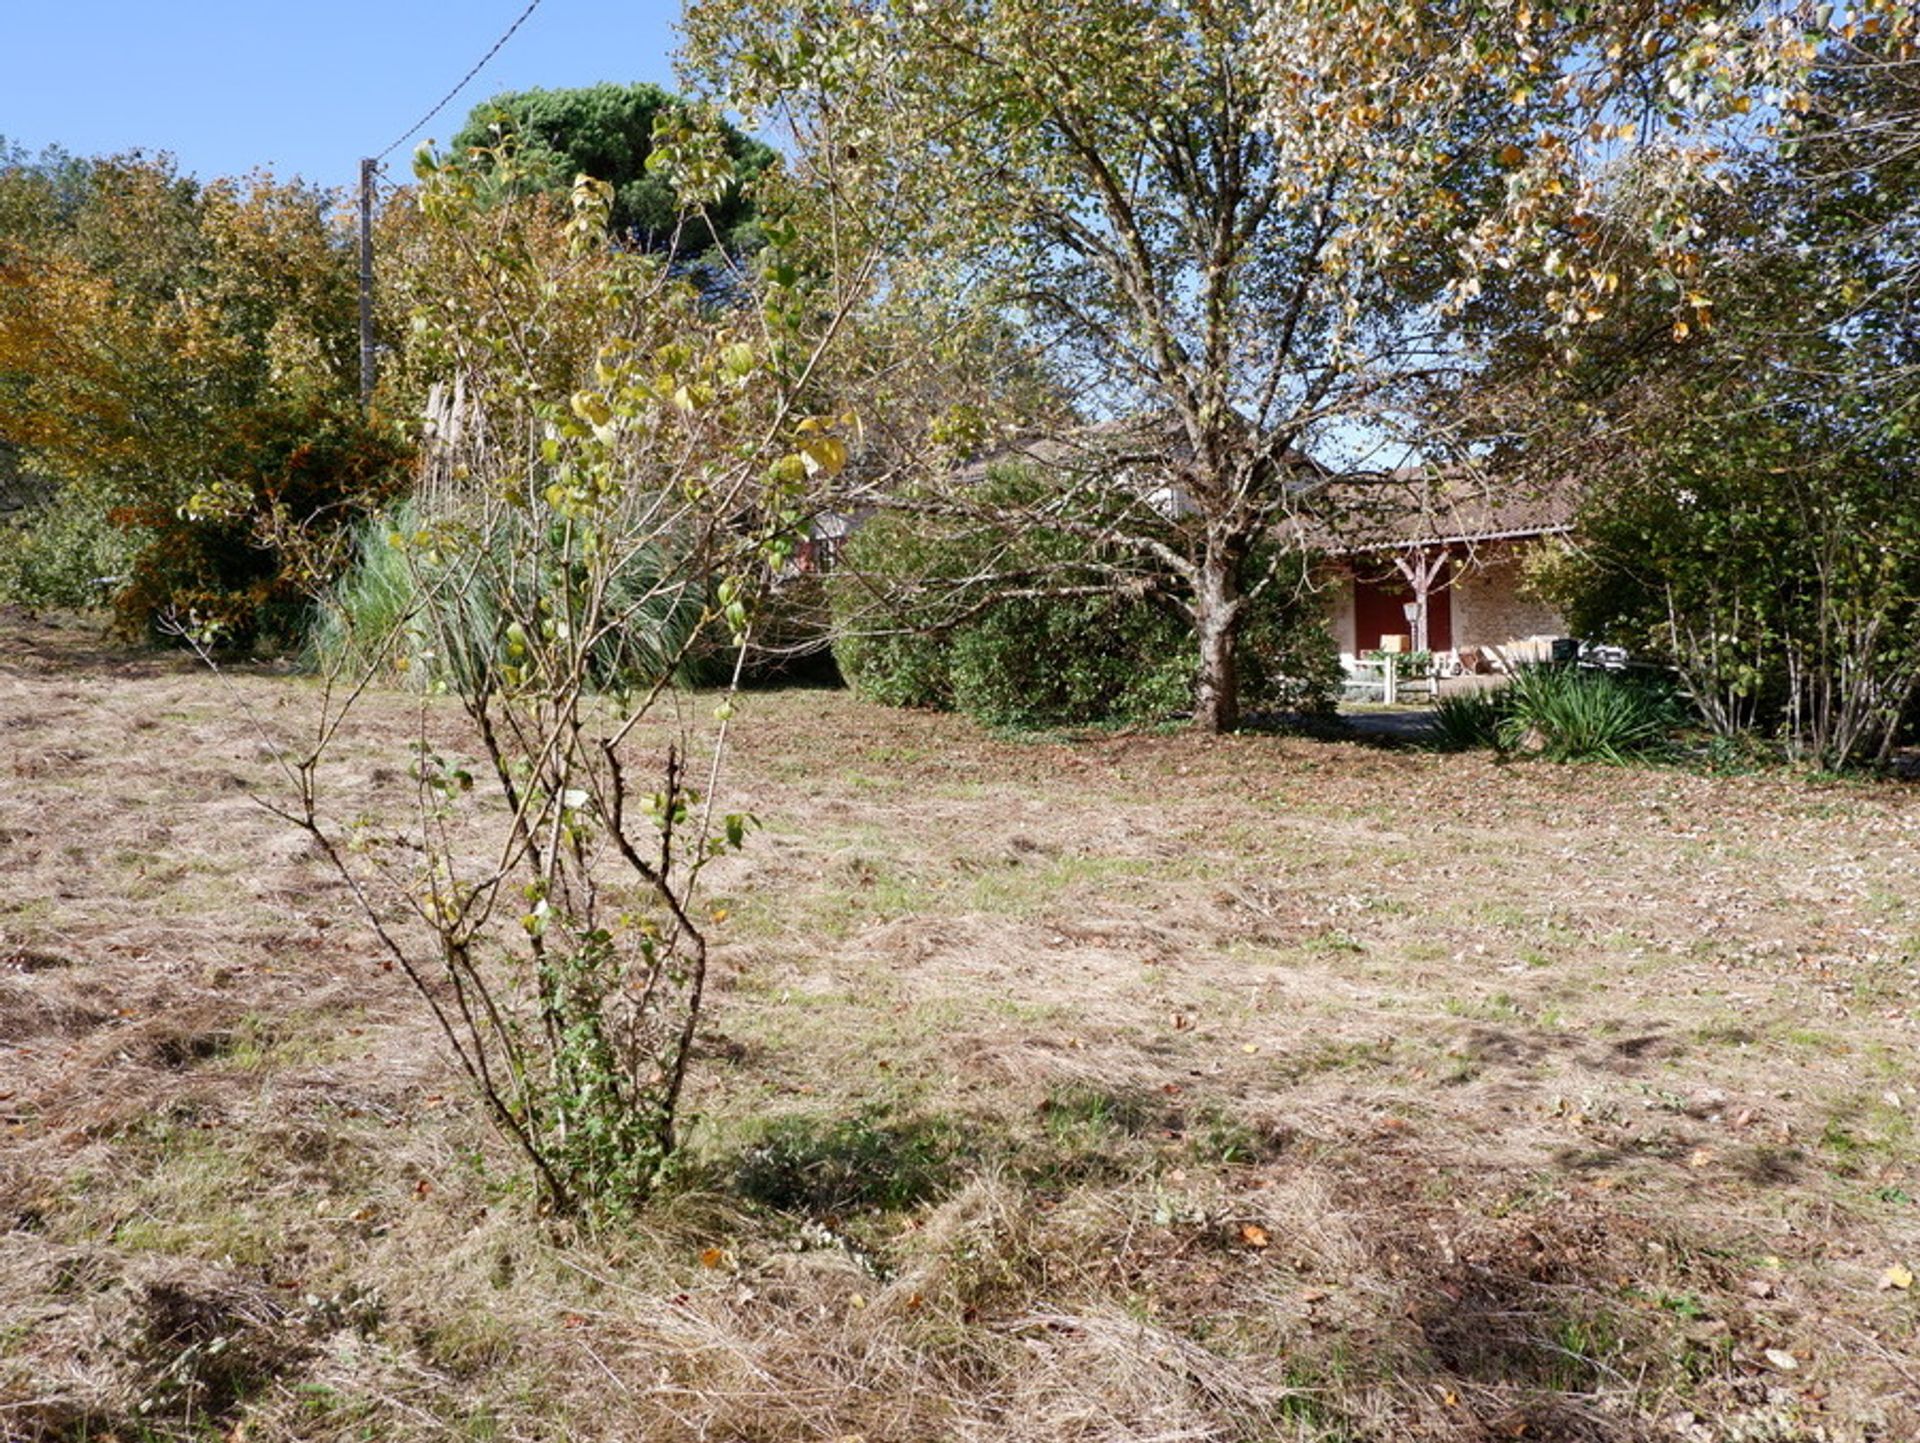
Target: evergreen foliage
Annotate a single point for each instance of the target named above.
(607, 131)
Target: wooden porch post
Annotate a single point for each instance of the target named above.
(1421, 569)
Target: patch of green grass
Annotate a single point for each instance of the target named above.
(1222, 1137)
(193, 1199)
(1334, 1055)
(1683, 1305)
(829, 1167)
(1500, 1007)
(1727, 1032)
(1504, 914)
(1580, 1350)
(1032, 886)
(1332, 942)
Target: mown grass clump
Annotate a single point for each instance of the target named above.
(831, 1166)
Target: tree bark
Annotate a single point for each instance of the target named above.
(1217, 605)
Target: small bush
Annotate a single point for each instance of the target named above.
(829, 1167)
(297, 475)
(1567, 714)
(62, 552)
(1039, 663)
(1287, 657)
(373, 618)
(911, 631)
(1468, 721)
(904, 668)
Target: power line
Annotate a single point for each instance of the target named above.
(465, 80)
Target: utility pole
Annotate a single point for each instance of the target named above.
(368, 361)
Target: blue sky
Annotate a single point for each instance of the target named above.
(301, 88)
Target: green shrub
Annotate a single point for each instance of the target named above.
(1568, 714)
(1468, 721)
(909, 629)
(61, 552)
(902, 668)
(373, 617)
(1287, 658)
(1039, 663)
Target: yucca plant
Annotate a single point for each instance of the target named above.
(1468, 721)
(375, 617)
(1567, 714)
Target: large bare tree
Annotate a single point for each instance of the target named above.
(1101, 173)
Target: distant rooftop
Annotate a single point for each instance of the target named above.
(1404, 509)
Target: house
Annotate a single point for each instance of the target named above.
(1431, 558)
(1439, 562)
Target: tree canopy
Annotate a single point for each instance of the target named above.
(1282, 225)
(1103, 176)
(607, 131)
(178, 359)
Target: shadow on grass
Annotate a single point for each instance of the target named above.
(880, 1160)
(828, 1166)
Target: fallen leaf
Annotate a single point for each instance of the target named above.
(1253, 1235)
(712, 1257)
(1782, 1359)
(1897, 1276)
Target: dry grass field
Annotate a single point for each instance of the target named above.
(1127, 1087)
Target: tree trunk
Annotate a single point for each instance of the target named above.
(1216, 625)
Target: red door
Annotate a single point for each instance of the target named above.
(1380, 609)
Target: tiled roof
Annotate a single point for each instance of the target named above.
(1150, 440)
(1405, 509)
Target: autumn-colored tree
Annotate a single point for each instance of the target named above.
(1621, 124)
(1751, 513)
(178, 359)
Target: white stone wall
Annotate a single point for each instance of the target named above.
(1489, 608)
(1340, 617)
